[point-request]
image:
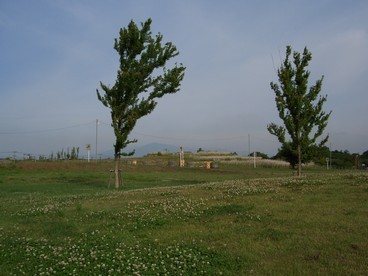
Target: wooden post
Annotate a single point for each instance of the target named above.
(181, 156)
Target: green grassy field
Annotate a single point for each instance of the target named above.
(63, 218)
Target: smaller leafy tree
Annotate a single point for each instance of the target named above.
(74, 155)
(319, 155)
(259, 154)
(300, 109)
(365, 158)
(142, 78)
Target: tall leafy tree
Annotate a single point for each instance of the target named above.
(142, 78)
(300, 108)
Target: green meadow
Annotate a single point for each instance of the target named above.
(66, 218)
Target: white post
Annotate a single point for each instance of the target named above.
(88, 147)
(330, 157)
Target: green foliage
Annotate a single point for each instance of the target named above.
(259, 154)
(299, 108)
(364, 159)
(319, 154)
(67, 155)
(340, 159)
(346, 160)
(141, 55)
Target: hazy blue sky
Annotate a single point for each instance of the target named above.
(53, 54)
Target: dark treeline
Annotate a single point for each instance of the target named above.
(337, 159)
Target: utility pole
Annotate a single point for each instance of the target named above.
(254, 159)
(96, 136)
(248, 144)
(14, 152)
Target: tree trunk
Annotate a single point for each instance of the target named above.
(117, 172)
(299, 160)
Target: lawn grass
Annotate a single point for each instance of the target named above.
(64, 219)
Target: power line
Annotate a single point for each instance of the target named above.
(180, 138)
(44, 130)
